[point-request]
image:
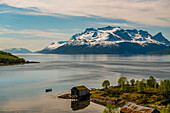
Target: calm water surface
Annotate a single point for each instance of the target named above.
(22, 86)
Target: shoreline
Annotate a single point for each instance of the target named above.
(27, 62)
(104, 101)
(100, 101)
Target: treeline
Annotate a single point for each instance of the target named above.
(147, 92)
(8, 58)
(141, 86)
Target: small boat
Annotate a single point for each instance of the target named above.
(48, 90)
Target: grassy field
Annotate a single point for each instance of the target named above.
(145, 94)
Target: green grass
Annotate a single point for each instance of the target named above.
(150, 97)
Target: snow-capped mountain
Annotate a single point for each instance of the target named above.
(112, 35)
(54, 45)
(159, 37)
(16, 50)
(110, 40)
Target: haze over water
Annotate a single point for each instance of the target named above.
(22, 87)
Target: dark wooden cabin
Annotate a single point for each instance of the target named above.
(133, 108)
(80, 92)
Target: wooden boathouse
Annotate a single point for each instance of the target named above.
(80, 93)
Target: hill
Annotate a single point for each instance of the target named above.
(16, 50)
(8, 59)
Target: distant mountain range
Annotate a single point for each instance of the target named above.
(109, 40)
(16, 50)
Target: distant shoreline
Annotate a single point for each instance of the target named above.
(28, 62)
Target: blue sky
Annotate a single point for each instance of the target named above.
(34, 24)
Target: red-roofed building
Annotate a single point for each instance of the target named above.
(133, 108)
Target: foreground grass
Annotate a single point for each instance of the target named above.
(150, 97)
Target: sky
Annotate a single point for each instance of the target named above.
(34, 24)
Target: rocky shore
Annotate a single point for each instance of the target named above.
(101, 101)
(65, 96)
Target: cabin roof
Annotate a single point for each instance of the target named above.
(133, 108)
(80, 87)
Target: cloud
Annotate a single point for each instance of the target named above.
(24, 11)
(114, 24)
(7, 25)
(76, 29)
(33, 33)
(147, 12)
(54, 30)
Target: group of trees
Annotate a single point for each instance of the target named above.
(139, 91)
(164, 87)
(142, 85)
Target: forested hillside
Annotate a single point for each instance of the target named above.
(8, 58)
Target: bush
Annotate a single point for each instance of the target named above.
(166, 110)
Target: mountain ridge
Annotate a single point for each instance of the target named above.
(16, 50)
(110, 39)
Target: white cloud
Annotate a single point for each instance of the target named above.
(150, 12)
(33, 33)
(76, 29)
(115, 24)
(8, 25)
(54, 30)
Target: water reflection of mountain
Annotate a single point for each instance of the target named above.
(77, 105)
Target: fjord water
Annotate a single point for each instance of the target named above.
(22, 87)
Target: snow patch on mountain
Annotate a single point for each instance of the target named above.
(16, 50)
(55, 45)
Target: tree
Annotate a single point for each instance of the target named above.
(164, 87)
(127, 86)
(122, 79)
(161, 86)
(140, 86)
(144, 80)
(132, 82)
(122, 86)
(156, 85)
(110, 108)
(105, 84)
(150, 82)
(136, 82)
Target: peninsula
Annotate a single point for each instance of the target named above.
(10, 59)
